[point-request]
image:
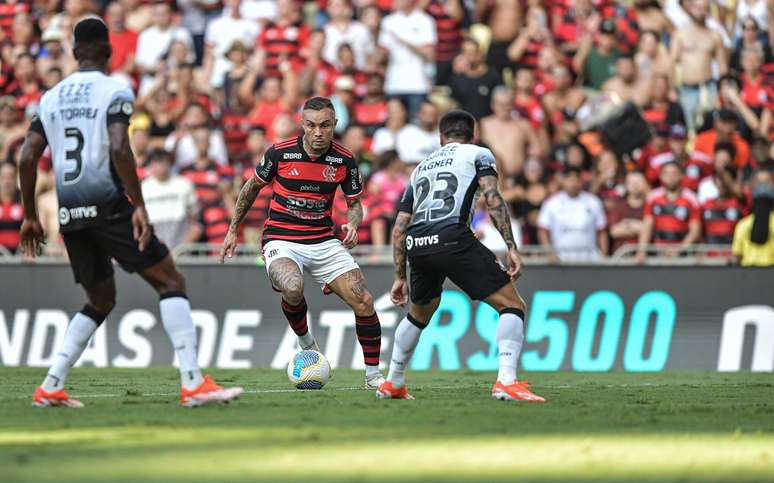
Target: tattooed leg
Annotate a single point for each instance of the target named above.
(351, 288)
(286, 277)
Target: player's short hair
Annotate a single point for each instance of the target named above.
(458, 124)
(90, 30)
(318, 104)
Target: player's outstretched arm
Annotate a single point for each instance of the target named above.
(244, 202)
(399, 291)
(123, 160)
(354, 218)
(32, 236)
(501, 219)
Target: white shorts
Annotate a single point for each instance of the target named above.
(324, 261)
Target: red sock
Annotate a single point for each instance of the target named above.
(296, 315)
(369, 334)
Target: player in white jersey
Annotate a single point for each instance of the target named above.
(432, 231)
(84, 119)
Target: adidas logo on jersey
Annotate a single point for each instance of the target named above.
(294, 172)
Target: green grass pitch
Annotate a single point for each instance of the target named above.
(682, 426)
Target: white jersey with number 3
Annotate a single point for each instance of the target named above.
(440, 195)
(74, 116)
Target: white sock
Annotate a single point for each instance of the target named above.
(510, 336)
(406, 339)
(78, 333)
(176, 317)
(306, 341)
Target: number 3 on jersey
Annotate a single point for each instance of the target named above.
(446, 195)
(72, 174)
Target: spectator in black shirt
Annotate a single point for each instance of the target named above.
(472, 81)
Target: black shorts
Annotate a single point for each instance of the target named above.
(474, 269)
(91, 249)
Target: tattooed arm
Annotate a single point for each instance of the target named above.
(245, 201)
(399, 291)
(354, 218)
(399, 244)
(501, 219)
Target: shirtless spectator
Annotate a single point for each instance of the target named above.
(627, 85)
(562, 103)
(503, 17)
(651, 58)
(650, 16)
(693, 50)
(509, 138)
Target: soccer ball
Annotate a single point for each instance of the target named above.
(309, 370)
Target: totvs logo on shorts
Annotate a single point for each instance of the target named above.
(77, 213)
(421, 241)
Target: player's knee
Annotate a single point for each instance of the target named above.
(293, 291)
(364, 303)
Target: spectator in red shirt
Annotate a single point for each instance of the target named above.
(371, 111)
(385, 188)
(720, 215)
(672, 214)
(532, 39)
(449, 16)
(259, 212)
(122, 40)
(8, 10)
(725, 129)
(528, 106)
(212, 182)
(661, 108)
(283, 38)
(11, 212)
(624, 215)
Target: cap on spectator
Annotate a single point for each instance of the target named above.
(725, 114)
(344, 83)
(607, 26)
(662, 129)
(90, 29)
(52, 35)
(678, 131)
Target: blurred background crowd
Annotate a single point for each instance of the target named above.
(614, 123)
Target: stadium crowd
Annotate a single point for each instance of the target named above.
(613, 122)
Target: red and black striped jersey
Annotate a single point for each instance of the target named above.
(671, 218)
(7, 13)
(282, 40)
(236, 127)
(215, 221)
(207, 180)
(11, 216)
(450, 33)
(304, 187)
(719, 217)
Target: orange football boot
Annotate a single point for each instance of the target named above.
(518, 391)
(60, 398)
(208, 393)
(388, 391)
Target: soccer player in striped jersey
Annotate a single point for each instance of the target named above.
(304, 173)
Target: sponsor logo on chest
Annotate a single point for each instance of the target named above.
(291, 155)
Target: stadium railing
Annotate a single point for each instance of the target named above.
(369, 255)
